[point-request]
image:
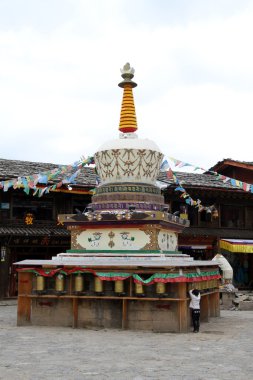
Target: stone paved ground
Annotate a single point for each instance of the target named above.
(222, 350)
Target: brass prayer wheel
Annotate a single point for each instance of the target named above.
(59, 283)
(40, 283)
(98, 285)
(139, 288)
(128, 215)
(215, 214)
(79, 283)
(119, 286)
(160, 287)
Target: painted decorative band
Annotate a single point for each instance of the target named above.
(125, 206)
(128, 189)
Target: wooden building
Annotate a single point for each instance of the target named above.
(43, 237)
(28, 224)
(233, 220)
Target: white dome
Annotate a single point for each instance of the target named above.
(128, 159)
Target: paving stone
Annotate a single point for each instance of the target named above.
(221, 351)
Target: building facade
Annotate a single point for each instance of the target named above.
(232, 222)
(29, 226)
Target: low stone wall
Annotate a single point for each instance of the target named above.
(238, 300)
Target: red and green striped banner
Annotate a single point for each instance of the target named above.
(113, 276)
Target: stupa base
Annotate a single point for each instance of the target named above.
(137, 307)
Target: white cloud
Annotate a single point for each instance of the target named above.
(59, 98)
(201, 124)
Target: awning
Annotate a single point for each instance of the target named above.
(33, 231)
(236, 245)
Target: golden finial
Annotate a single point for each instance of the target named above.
(128, 121)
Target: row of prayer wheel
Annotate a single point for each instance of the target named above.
(98, 285)
(208, 284)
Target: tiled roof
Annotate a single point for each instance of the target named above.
(14, 168)
(196, 180)
(87, 177)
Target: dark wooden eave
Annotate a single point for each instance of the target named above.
(218, 232)
(32, 231)
(228, 162)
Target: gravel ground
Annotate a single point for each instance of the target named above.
(222, 350)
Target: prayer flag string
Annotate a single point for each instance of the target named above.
(35, 182)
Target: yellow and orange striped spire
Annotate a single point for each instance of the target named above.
(128, 121)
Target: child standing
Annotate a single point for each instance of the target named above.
(195, 308)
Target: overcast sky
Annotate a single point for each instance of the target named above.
(60, 65)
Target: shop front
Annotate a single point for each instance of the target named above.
(27, 243)
(239, 253)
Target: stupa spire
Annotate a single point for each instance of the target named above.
(128, 121)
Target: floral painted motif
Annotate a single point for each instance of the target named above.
(152, 233)
(168, 241)
(127, 240)
(74, 242)
(95, 239)
(128, 164)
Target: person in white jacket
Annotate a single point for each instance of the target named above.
(195, 308)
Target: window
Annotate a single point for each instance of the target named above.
(42, 209)
(193, 216)
(249, 217)
(232, 216)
